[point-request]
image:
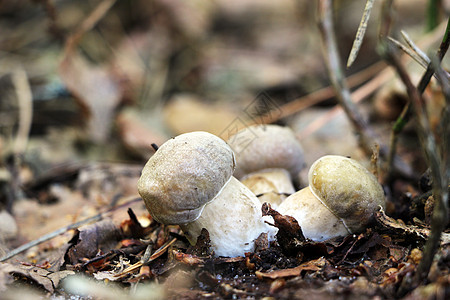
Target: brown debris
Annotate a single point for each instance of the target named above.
(399, 226)
(290, 235)
(90, 239)
(48, 280)
(314, 265)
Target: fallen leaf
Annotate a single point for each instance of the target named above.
(186, 113)
(290, 233)
(202, 247)
(88, 240)
(313, 265)
(48, 280)
(109, 275)
(188, 259)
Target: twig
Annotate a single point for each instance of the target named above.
(299, 104)
(66, 228)
(360, 33)
(366, 135)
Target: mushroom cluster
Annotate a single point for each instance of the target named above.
(189, 181)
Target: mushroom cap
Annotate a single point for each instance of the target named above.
(348, 189)
(186, 173)
(260, 147)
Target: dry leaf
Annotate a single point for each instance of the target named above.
(48, 280)
(88, 240)
(313, 265)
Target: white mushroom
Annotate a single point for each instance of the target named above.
(188, 181)
(341, 199)
(268, 157)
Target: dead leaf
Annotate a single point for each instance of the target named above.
(109, 275)
(290, 235)
(88, 240)
(48, 280)
(202, 247)
(188, 259)
(313, 265)
(5, 277)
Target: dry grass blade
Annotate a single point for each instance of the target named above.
(410, 52)
(360, 33)
(414, 47)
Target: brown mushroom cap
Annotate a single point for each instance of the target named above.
(259, 147)
(348, 189)
(185, 173)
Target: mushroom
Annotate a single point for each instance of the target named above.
(268, 157)
(189, 182)
(341, 199)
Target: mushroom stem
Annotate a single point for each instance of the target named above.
(318, 223)
(270, 185)
(233, 219)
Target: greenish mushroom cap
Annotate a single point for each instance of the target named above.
(347, 188)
